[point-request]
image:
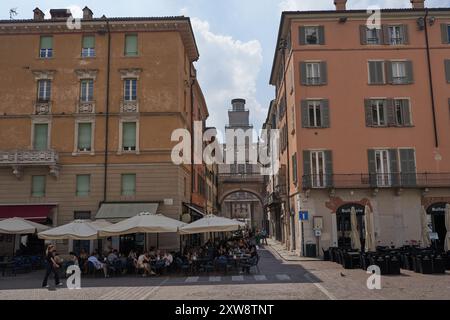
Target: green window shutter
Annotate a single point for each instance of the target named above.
(405, 34)
(131, 45)
(447, 70)
(388, 69)
(386, 35)
(305, 114)
(391, 116)
(406, 113)
(321, 35)
(307, 181)
(329, 168)
(372, 168)
(84, 136)
(89, 42)
(444, 33)
(363, 34)
(40, 136)
(380, 36)
(302, 36)
(129, 134)
(128, 184)
(323, 72)
(47, 42)
(294, 168)
(373, 72)
(393, 162)
(368, 112)
(325, 113)
(303, 78)
(83, 185)
(38, 186)
(408, 167)
(409, 71)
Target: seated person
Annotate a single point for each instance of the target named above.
(143, 263)
(250, 262)
(98, 265)
(132, 258)
(168, 258)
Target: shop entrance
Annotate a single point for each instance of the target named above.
(344, 226)
(437, 213)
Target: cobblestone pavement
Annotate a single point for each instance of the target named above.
(276, 279)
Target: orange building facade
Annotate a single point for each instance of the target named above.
(364, 120)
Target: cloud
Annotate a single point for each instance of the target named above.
(228, 68)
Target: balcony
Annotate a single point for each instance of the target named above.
(18, 159)
(237, 177)
(129, 106)
(86, 107)
(42, 107)
(385, 180)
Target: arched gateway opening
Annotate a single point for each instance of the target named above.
(344, 226)
(245, 206)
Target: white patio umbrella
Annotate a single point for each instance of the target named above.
(354, 234)
(76, 230)
(369, 226)
(212, 223)
(20, 226)
(144, 222)
(447, 226)
(425, 232)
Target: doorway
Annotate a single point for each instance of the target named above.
(344, 225)
(437, 212)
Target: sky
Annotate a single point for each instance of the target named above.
(236, 40)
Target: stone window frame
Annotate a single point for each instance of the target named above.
(128, 118)
(84, 119)
(41, 120)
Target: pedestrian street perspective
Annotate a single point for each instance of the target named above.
(298, 150)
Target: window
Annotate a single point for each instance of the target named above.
(38, 186)
(408, 167)
(402, 112)
(382, 168)
(376, 72)
(87, 90)
(129, 136)
(83, 185)
(44, 90)
(313, 73)
(294, 168)
(398, 72)
(130, 90)
(318, 169)
(88, 50)
(312, 35)
(315, 114)
(82, 215)
(46, 47)
(447, 70)
(128, 184)
(378, 112)
(396, 36)
(372, 36)
(40, 136)
(131, 45)
(84, 137)
(445, 32)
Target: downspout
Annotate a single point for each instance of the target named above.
(430, 78)
(108, 69)
(192, 81)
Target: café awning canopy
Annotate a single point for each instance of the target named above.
(36, 213)
(212, 223)
(20, 226)
(119, 211)
(76, 230)
(144, 222)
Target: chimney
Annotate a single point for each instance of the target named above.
(38, 14)
(341, 5)
(418, 4)
(87, 14)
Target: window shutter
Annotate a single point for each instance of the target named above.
(83, 185)
(84, 136)
(388, 68)
(409, 71)
(40, 137)
(129, 134)
(88, 42)
(307, 170)
(444, 33)
(408, 167)
(323, 72)
(372, 168)
(329, 168)
(372, 72)
(390, 111)
(406, 112)
(368, 109)
(38, 186)
(447, 70)
(363, 34)
(303, 73)
(321, 35)
(294, 168)
(325, 112)
(393, 167)
(380, 35)
(47, 42)
(405, 34)
(305, 114)
(376, 72)
(386, 35)
(302, 36)
(131, 45)
(128, 184)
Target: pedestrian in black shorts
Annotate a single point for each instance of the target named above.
(52, 266)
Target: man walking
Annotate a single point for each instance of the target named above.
(52, 266)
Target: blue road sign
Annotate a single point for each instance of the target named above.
(303, 215)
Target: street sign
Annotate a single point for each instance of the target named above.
(303, 215)
(317, 232)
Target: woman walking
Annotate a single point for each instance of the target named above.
(52, 266)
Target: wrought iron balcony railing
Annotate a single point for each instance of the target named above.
(384, 180)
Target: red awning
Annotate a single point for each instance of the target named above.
(36, 213)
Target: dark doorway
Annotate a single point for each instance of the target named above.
(132, 242)
(344, 226)
(437, 212)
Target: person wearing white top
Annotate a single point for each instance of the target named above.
(98, 265)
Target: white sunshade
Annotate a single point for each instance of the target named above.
(143, 223)
(354, 234)
(76, 230)
(212, 223)
(425, 232)
(369, 226)
(20, 226)
(447, 226)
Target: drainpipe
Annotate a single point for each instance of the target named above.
(430, 78)
(108, 69)
(192, 82)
